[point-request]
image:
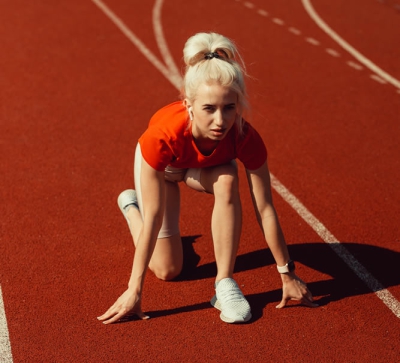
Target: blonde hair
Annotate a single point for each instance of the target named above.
(211, 57)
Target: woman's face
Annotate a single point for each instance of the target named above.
(214, 111)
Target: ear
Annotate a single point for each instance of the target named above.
(189, 108)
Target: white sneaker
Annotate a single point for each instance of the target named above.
(230, 301)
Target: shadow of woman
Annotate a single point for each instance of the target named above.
(378, 263)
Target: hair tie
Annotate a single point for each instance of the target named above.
(211, 55)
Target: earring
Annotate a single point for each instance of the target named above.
(190, 114)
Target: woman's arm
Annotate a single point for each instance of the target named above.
(153, 194)
(260, 189)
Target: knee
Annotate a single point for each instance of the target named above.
(227, 183)
(167, 273)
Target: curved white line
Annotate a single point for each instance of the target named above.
(362, 59)
(162, 44)
(138, 43)
(387, 298)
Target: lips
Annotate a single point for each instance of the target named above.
(218, 132)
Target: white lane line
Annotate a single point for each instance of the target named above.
(162, 44)
(5, 346)
(387, 298)
(138, 43)
(374, 285)
(362, 59)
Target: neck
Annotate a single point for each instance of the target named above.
(205, 146)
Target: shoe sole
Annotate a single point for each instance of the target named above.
(216, 304)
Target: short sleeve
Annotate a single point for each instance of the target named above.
(251, 148)
(155, 149)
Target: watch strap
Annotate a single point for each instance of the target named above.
(289, 267)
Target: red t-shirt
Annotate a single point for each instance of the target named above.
(168, 141)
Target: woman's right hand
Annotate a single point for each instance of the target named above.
(128, 304)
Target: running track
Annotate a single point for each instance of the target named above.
(77, 89)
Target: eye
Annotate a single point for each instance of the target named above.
(230, 107)
(209, 108)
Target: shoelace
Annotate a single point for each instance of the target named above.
(231, 295)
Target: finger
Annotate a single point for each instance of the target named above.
(111, 311)
(106, 315)
(139, 313)
(310, 298)
(309, 303)
(142, 316)
(283, 303)
(114, 318)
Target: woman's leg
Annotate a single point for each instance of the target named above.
(226, 225)
(226, 222)
(167, 259)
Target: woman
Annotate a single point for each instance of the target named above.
(196, 142)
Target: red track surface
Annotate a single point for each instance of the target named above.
(75, 96)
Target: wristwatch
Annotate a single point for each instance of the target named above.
(289, 267)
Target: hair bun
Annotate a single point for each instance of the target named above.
(201, 45)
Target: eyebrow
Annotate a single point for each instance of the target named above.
(212, 105)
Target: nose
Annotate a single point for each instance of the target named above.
(219, 119)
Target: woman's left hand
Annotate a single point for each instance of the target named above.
(295, 289)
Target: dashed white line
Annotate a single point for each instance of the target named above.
(248, 4)
(377, 79)
(354, 65)
(312, 41)
(382, 77)
(5, 346)
(362, 59)
(262, 12)
(294, 31)
(332, 52)
(278, 21)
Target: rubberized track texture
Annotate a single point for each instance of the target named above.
(80, 80)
